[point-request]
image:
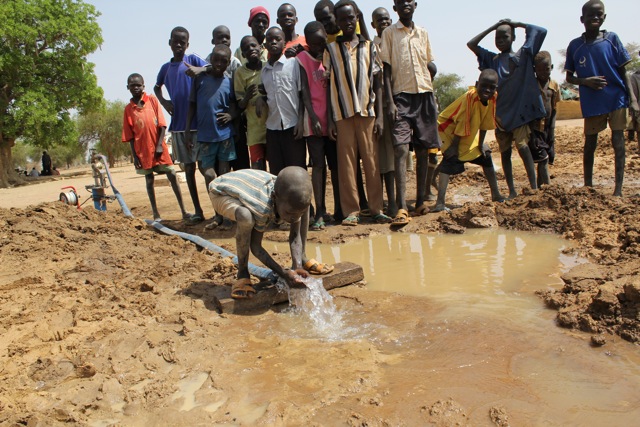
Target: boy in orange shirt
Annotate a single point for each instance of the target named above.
(144, 128)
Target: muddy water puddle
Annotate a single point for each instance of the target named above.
(473, 331)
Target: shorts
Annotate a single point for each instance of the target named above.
(180, 151)
(225, 205)
(212, 152)
(321, 147)
(520, 135)
(157, 169)
(417, 121)
(617, 121)
(257, 152)
(455, 167)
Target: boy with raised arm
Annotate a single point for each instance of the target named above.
(143, 128)
(596, 62)
(172, 76)
(408, 60)
(519, 98)
(463, 126)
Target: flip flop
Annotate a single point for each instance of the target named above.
(422, 209)
(365, 213)
(242, 289)
(315, 267)
(402, 218)
(195, 219)
(351, 221)
(217, 222)
(317, 226)
(382, 219)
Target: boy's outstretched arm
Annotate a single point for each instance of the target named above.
(168, 105)
(475, 42)
(290, 276)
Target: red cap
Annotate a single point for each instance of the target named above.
(256, 10)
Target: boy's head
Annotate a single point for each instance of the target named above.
(316, 37)
(292, 191)
(250, 48)
(347, 14)
(287, 17)
(220, 59)
(275, 41)
(486, 85)
(543, 65)
(324, 13)
(405, 8)
(505, 36)
(259, 20)
(380, 19)
(179, 41)
(135, 84)
(221, 35)
(593, 15)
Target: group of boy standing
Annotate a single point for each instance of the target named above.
(352, 102)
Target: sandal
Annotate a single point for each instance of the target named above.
(242, 289)
(315, 267)
(365, 213)
(382, 219)
(317, 225)
(195, 219)
(351, 221)
(422, 209)
(217, 222)
(402, 218)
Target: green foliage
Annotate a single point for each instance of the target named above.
(447, 87)
(44, 72)
(103, 129)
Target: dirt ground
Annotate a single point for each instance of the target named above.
(98, 312)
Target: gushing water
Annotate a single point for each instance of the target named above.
(316, 304)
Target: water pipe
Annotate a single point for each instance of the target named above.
(263, 273)
(123, 205)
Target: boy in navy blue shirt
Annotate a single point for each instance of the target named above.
(172, 76)
(596, 62)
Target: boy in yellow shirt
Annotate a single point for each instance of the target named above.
(462, 127)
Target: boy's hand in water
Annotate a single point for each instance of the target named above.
(294, 278)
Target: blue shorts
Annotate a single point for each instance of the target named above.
(209, 153)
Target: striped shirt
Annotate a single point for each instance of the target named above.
(351, 66)
(253, 188)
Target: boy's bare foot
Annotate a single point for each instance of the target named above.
(440, 208)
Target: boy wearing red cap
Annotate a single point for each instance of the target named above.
(259, 20)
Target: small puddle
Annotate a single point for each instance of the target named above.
(483, 337)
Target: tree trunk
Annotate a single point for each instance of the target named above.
(7, 174)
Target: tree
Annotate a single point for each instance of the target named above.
(103, 129)
(447, 87)
(44, 73)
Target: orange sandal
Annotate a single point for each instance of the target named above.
(242, 289)
(315, 267)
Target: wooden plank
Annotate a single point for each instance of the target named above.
(344, 273)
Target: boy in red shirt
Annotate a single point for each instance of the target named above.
(144, 128)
